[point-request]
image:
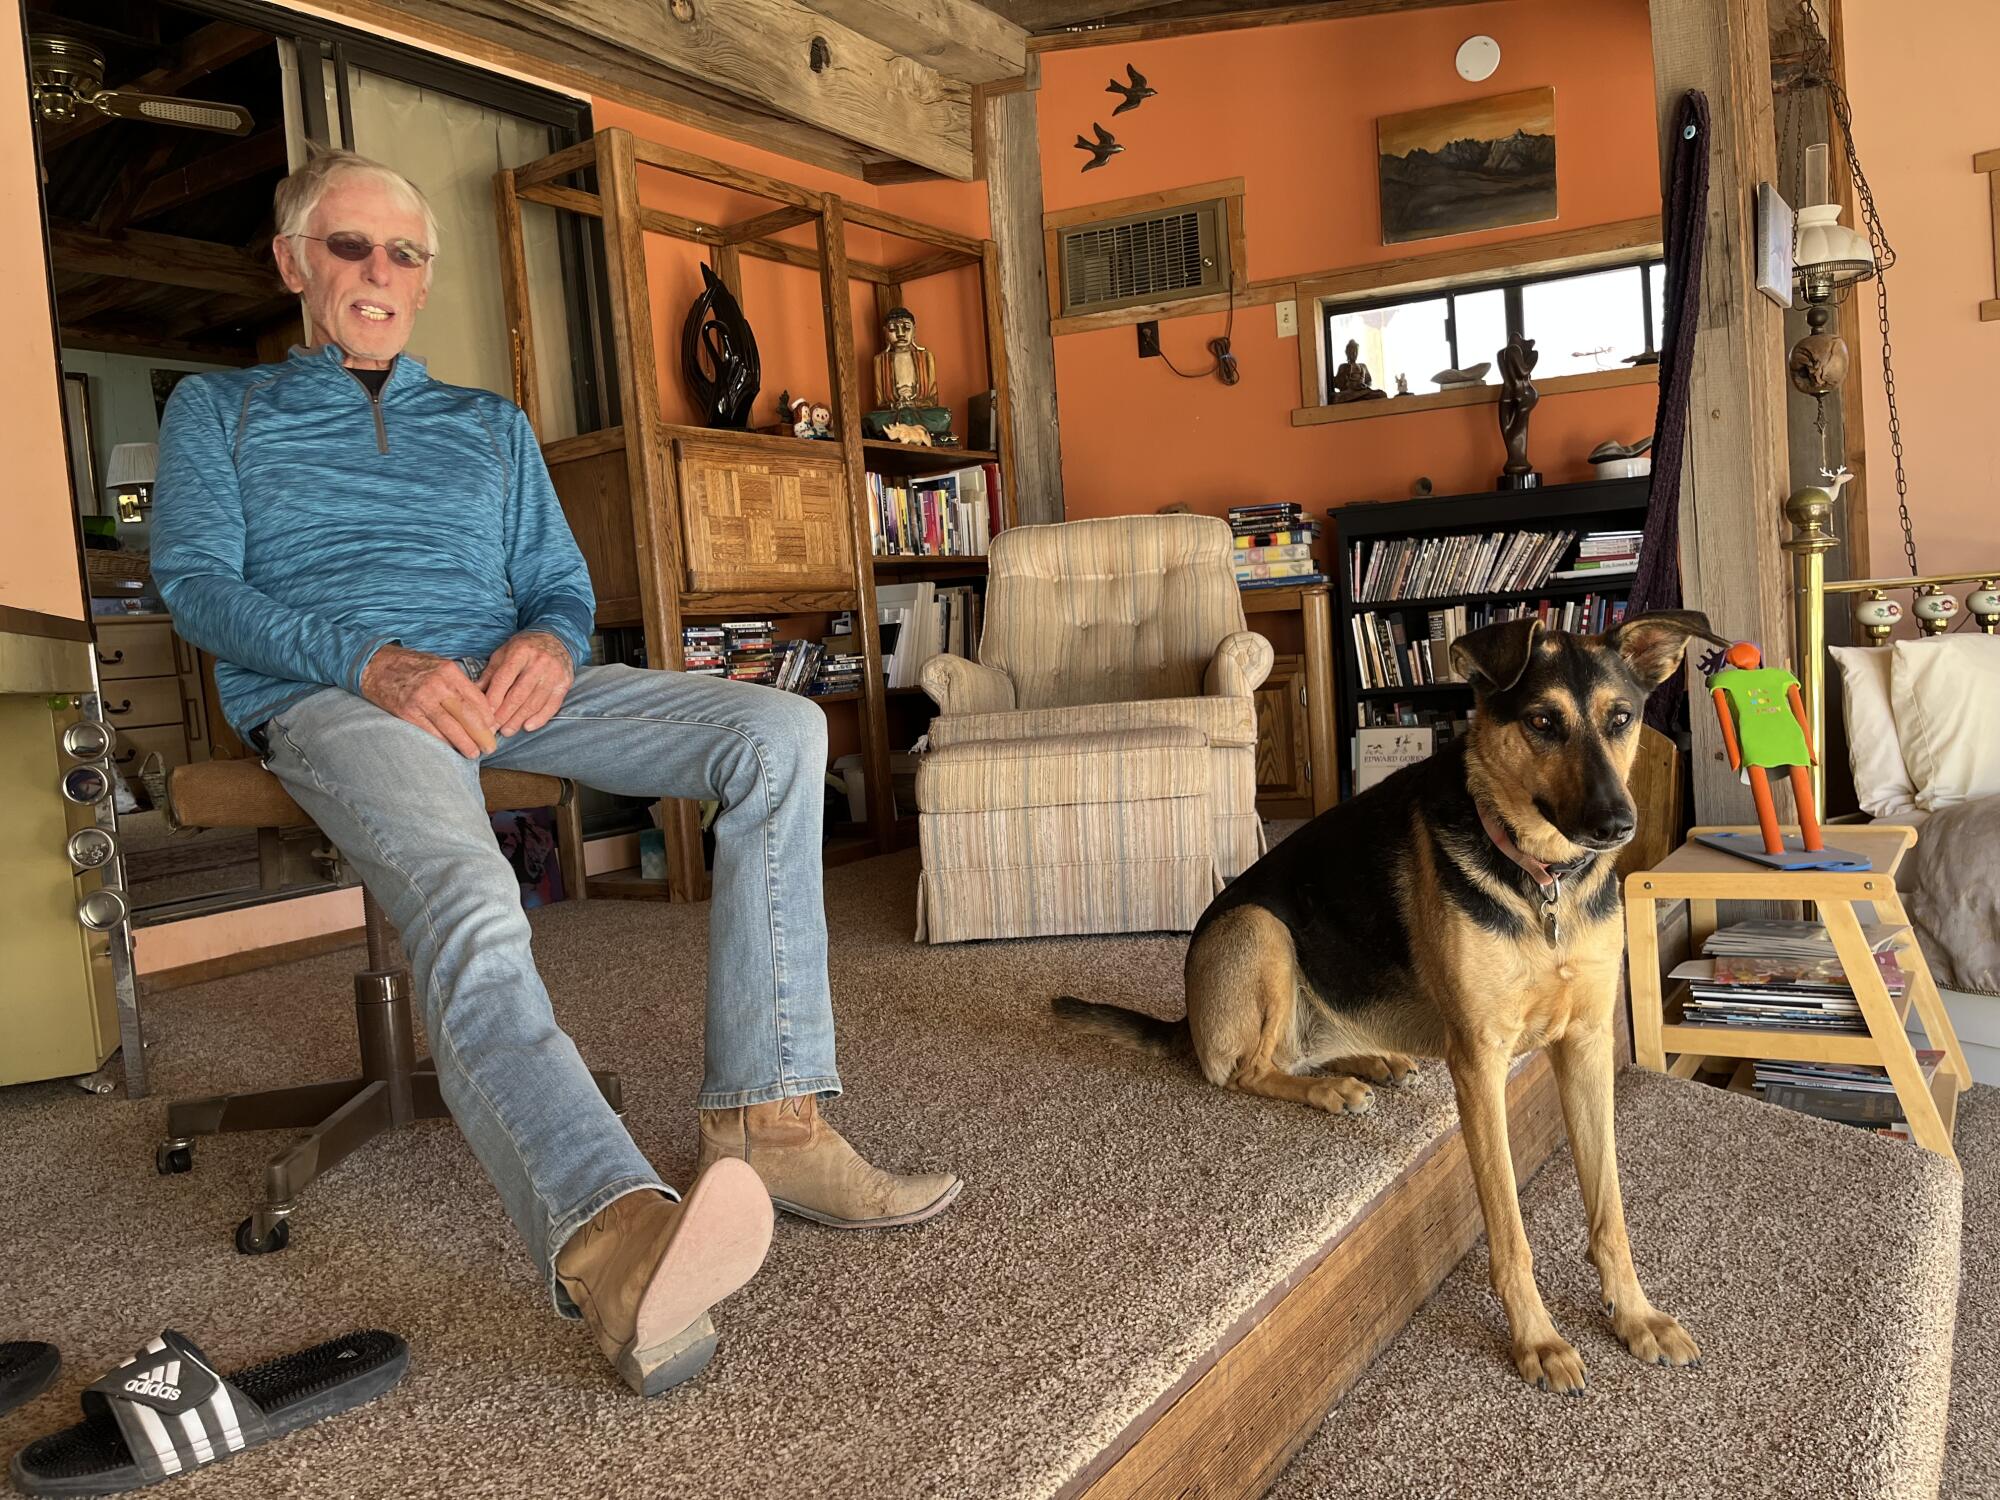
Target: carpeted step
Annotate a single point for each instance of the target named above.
(1816, 1265)
(1972, 1453)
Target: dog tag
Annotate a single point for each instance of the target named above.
(1551, 927)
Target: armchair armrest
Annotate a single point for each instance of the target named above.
(1239, 667)
(959, 686)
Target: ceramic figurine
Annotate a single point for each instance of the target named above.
(1517, 401)
(719, 355)
(1764, 728)
(1352, 382)
(822, 421)
(1470, 375)
(1402, 385)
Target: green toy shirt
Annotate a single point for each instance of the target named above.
(1766, 729)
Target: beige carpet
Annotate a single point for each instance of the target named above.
(1972, 1464)
(1816, 1266)
(1118, 1216)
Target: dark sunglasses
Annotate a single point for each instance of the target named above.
(348, 245)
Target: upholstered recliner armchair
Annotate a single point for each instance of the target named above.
(1095, 769)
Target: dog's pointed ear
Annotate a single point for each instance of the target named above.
(1653, 643)
(1493, 657)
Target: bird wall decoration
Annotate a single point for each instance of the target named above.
(1136, 93)
(1102, 151)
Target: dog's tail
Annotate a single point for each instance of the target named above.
(1134, 1028)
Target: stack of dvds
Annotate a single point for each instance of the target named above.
(701, 651)
(1274, 545)
(839, 669)
(747, 646)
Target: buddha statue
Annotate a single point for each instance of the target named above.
(906, 393)
(1351, 382)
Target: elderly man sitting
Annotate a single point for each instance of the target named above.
(379, 564)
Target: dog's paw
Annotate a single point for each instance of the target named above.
(1550, 1364)
(1655, 1338)
(1400, 1069)
(1341, 1096)
(1387, 1067)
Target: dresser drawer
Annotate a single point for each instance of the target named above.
(132, 703)
(134, 745)
(142, 649)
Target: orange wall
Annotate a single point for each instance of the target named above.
(1937, 214)
(1292, 111)
(38, 562)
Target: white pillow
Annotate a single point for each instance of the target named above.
(1874, 749)
(1946, 694)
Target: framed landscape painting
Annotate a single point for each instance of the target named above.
(1481, 164)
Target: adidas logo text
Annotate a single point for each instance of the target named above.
(158, 1389)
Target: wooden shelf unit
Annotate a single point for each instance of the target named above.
(1704, 877)
(1606, 504)
(699, 523)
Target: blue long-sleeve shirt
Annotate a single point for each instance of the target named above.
(299, 524)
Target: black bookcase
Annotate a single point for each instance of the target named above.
(1601, 505)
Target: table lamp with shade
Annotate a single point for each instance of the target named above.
(133, 468)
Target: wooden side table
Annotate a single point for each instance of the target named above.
(1702, 876)
(1282, 736)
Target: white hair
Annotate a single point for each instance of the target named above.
(300, 193)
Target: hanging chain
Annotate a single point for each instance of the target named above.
(1819, 74)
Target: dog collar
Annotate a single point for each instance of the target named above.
(1543, 875)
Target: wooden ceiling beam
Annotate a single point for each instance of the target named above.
(214, 46)
(235, 163)
(775, 55)
(1105, 23)
(162, 259)
(120, 341)
(959, 38)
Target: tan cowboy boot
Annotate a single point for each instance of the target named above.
(812, 1172)
(645, 1271)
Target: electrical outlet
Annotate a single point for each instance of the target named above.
(1288, 320)
(1149, 340)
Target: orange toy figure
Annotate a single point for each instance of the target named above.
(1764, 727)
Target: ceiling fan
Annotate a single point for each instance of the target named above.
(68, 78)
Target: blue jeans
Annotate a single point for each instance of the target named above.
(405, 809)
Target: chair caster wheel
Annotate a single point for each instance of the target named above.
(247, 1242)
(170, 1160)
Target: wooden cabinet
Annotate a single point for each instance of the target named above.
(760, 519)
(1284, 761)
(153, 692)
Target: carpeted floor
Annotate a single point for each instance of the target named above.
(1774, 1238)
(1119, 1217)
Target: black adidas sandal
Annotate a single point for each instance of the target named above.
(25, 1372)
(166, 1411)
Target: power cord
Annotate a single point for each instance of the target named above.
(1224, 367)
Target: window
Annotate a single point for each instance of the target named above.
(1580, 322)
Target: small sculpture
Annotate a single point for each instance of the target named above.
(1517, 401)
(1764, 728)
(1470, 375)
(906, 391)
(1136, 92)
(822, 420)
(1105, 148)
(1402, 385)
(807, 419)
(716, 328)
(1352, 382)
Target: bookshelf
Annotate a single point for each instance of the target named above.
(684, 525)
(1601, 505)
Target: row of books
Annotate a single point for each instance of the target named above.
(919, 620)
(1782, 975)
(1274, 545)
(1494, 562)
(1394, 650)
(938, 515)
(1604, 554)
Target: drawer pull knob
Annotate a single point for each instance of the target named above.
(113, 659)
(124, 707)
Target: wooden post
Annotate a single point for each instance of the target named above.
(649, 476)
(514, 292)
(1028, 355)
(846, 378)
(1734, 480)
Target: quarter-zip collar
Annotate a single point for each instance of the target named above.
(405, 372)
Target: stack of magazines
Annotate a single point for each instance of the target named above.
(1781, 976)
(1851, 1093)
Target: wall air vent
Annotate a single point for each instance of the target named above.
(1166, 255)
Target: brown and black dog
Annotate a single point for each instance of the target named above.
(1465, 908)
